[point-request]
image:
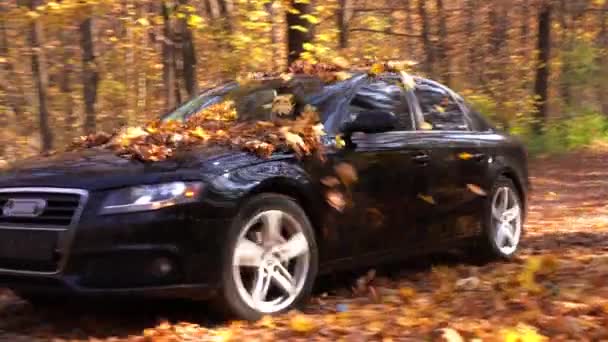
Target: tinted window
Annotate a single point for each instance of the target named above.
(439, 109)
(384, 96)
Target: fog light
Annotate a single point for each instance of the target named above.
(162, 267)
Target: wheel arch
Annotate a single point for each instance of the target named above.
(519, 186)
(300, 192)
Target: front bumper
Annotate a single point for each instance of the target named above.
(171, 252)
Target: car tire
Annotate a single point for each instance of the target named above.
(502, 222)
(244, 268)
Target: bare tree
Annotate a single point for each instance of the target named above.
(541, 85)
(300, 30)
(90, 77)
(429, 50)
(40, 75)
(168, 59)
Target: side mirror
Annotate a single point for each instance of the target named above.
(371, 121)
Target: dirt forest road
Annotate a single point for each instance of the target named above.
(556, 289)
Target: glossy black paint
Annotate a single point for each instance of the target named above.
(391, 215)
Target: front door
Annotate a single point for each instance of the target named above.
(377, 218)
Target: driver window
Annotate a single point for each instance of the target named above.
(385, 96)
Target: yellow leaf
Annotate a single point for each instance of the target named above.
(299, 28)
(465, 155)
(302, 324)
(33, 14)
(407, 293)
(143, 21)
(427, 198)
(426, 126)
(310, 18)
(522, 333)
(195, 20)
(377, 69)
(340, 143)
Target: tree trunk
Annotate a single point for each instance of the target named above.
(442, 52)
(429, 58)
(225, 16)
(473, 48)
(567, 40)
(188, 54)
(275, 35)
(409, 28)
(525, 24)
(602, 43)
(541, 84)
(40, 75)
(90, 76)
(14, 90)
(300, 31)
(65, 82)
(167, 52)
(342, 24)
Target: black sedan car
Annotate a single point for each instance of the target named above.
(254, 233)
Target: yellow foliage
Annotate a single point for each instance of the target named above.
(522, 333)
(302, 324)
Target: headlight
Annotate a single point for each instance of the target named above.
(151, 197)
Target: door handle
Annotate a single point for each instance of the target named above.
(421, 158)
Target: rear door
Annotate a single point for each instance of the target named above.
(459, 165)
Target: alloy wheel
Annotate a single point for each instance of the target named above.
(506, 220)
(271, 261)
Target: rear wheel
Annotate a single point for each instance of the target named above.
(271, 259)
(503, 222)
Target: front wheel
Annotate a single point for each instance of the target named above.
(271, 259)
(503, 222)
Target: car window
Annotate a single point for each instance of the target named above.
(385, 96)
(258, 101)
(439, 110)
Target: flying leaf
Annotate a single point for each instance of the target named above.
(299, 28)
(336, 200)
(465, 155)
(476, 189)
(347, 173)
(330, 181)
(427, 198)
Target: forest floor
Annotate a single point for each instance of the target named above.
(556, 288)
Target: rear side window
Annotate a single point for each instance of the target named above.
(439, 110)
(385, 96)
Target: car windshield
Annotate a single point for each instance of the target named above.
(254, 101)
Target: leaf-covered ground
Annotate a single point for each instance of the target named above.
(557, 289)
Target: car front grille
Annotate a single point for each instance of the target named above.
(38, 241)
(59, 211)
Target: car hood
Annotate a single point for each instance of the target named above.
(95, 169)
